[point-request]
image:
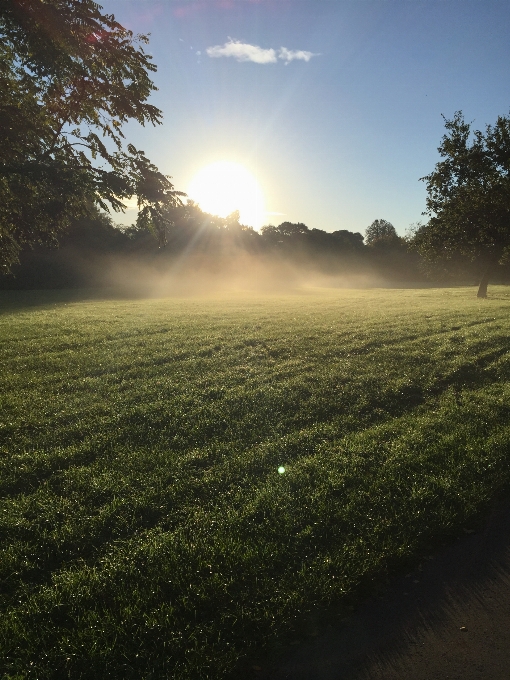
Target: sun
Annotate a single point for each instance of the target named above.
(222, 187)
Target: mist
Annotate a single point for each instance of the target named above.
(202, 254)
(200, 275)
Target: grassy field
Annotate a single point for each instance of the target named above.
(146, 529)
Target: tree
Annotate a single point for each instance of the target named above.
(291, 229)
(468, 198)
(70, 78)
(348, 239)
(83, 258)
(380, 231)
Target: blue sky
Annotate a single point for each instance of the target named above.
(337, 139)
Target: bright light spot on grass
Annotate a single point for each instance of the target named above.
(281, 470)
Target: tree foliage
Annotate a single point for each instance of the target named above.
(468, 197)
(70, 78)
(95, 252)
(380, 231)
(299, 234)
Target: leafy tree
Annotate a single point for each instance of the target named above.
(70, 78)
(284, 233)
(292, 229)
(469, 198)
(380, 231)
(82, 258)
(348, 239)
(270, 234)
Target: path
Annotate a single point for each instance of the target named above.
(450, 619)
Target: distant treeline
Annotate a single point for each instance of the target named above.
(94, 246)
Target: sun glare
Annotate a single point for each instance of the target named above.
(222, 187)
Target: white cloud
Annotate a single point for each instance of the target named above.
(258, 55)
(290, 55)
(243, 52)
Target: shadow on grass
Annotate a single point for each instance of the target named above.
(20, 300)
(414, 630)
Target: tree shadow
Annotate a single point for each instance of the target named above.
(12, 301)
(414, 630)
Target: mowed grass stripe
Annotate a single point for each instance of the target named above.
(146, 530)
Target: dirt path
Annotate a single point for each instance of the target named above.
(450, 619)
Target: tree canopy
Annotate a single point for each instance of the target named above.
(70, 78)
(468, 197)
(380, 231)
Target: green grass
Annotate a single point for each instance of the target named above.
(146, 531)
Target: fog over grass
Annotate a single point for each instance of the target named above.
(201, 274)
(201, 253)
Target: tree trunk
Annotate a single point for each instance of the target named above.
(482, 288)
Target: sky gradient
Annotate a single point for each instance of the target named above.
(334, 105)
